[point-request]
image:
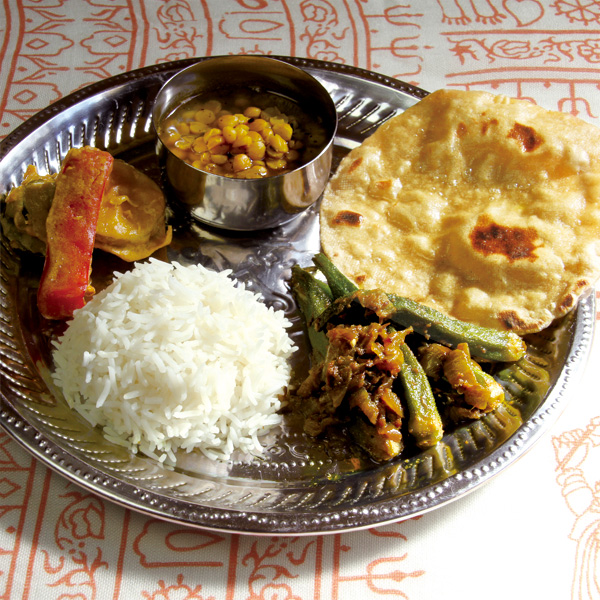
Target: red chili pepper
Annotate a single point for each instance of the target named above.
(71, 230)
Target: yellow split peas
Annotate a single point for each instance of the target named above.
(246, 142)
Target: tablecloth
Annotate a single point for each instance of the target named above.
(531, 532)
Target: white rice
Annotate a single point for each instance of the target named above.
(176, 357)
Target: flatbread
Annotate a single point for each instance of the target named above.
(484, 207)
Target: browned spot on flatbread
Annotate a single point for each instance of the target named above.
(355, 164)
(528, 136)
(512, 321)
(568, 302)
(461, 129)
(384, 184)
(514, 243)
(360, 279)
(486, 125)
(347, 217)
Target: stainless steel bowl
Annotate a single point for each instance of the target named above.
(246, 204)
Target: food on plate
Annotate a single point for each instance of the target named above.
(485, 343)
(462, 376)
(425, 423)
(70, 232)
(482, 207)
(235, 137)
(131, 222)
(95, 201)
(175, 357)
(25, 210)
(357, 374)
(374, 367)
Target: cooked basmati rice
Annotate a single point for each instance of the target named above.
(176, 357)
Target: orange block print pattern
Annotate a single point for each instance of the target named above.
(578, 457)
(85, 548)
(52, 47)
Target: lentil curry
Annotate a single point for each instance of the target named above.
(241, 136)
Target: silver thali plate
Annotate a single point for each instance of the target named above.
(300, 485)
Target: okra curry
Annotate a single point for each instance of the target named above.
(380, 360)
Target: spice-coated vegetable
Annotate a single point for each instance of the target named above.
(313, 297)
(479, 388)
(71, 230)
(424, 422)
(484, 343)
(355, 369)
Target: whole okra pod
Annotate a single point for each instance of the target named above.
(313, 297)
(424, 422)
(484, 343)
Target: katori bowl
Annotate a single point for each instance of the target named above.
(237, 201)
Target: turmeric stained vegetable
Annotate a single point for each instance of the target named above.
(365, 375)
(353, 384)
(464, 389)
(313, 297)
(479, 388)
(485, 343)
(425, 423)
(71, 230)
